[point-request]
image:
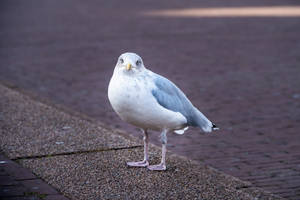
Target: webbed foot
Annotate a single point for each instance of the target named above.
(159, 167)
(143, 163)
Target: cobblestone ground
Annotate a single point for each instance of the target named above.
(242, 72)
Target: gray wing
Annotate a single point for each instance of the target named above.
(171, 97)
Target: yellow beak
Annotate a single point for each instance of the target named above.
(128, 66)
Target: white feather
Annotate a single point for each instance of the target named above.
(181, 131)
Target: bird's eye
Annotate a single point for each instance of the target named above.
(138, 62)
(121, 60)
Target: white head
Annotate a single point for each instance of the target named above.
(130, 63)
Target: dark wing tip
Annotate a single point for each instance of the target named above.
(214, 127)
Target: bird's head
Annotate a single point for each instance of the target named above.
(130, 62)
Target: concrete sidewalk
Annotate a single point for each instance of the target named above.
(83, 160)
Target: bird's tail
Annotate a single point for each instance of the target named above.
(205, 124)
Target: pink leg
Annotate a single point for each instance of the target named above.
(162, 165)
(145, 162)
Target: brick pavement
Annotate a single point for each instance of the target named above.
(18, 183)
(241, 72)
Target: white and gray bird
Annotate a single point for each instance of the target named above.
(151, 102)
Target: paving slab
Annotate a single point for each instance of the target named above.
(31, 128)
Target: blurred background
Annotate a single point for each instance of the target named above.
(237, 61)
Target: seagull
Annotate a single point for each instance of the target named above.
(150, 101)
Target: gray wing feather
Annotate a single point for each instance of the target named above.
(171, 97)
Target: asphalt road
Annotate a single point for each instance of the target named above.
(241, 72)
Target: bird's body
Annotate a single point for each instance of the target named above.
(151, 102)
(145, 112)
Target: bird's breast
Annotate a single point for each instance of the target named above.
(125, 95)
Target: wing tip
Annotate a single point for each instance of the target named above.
(215, 127)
